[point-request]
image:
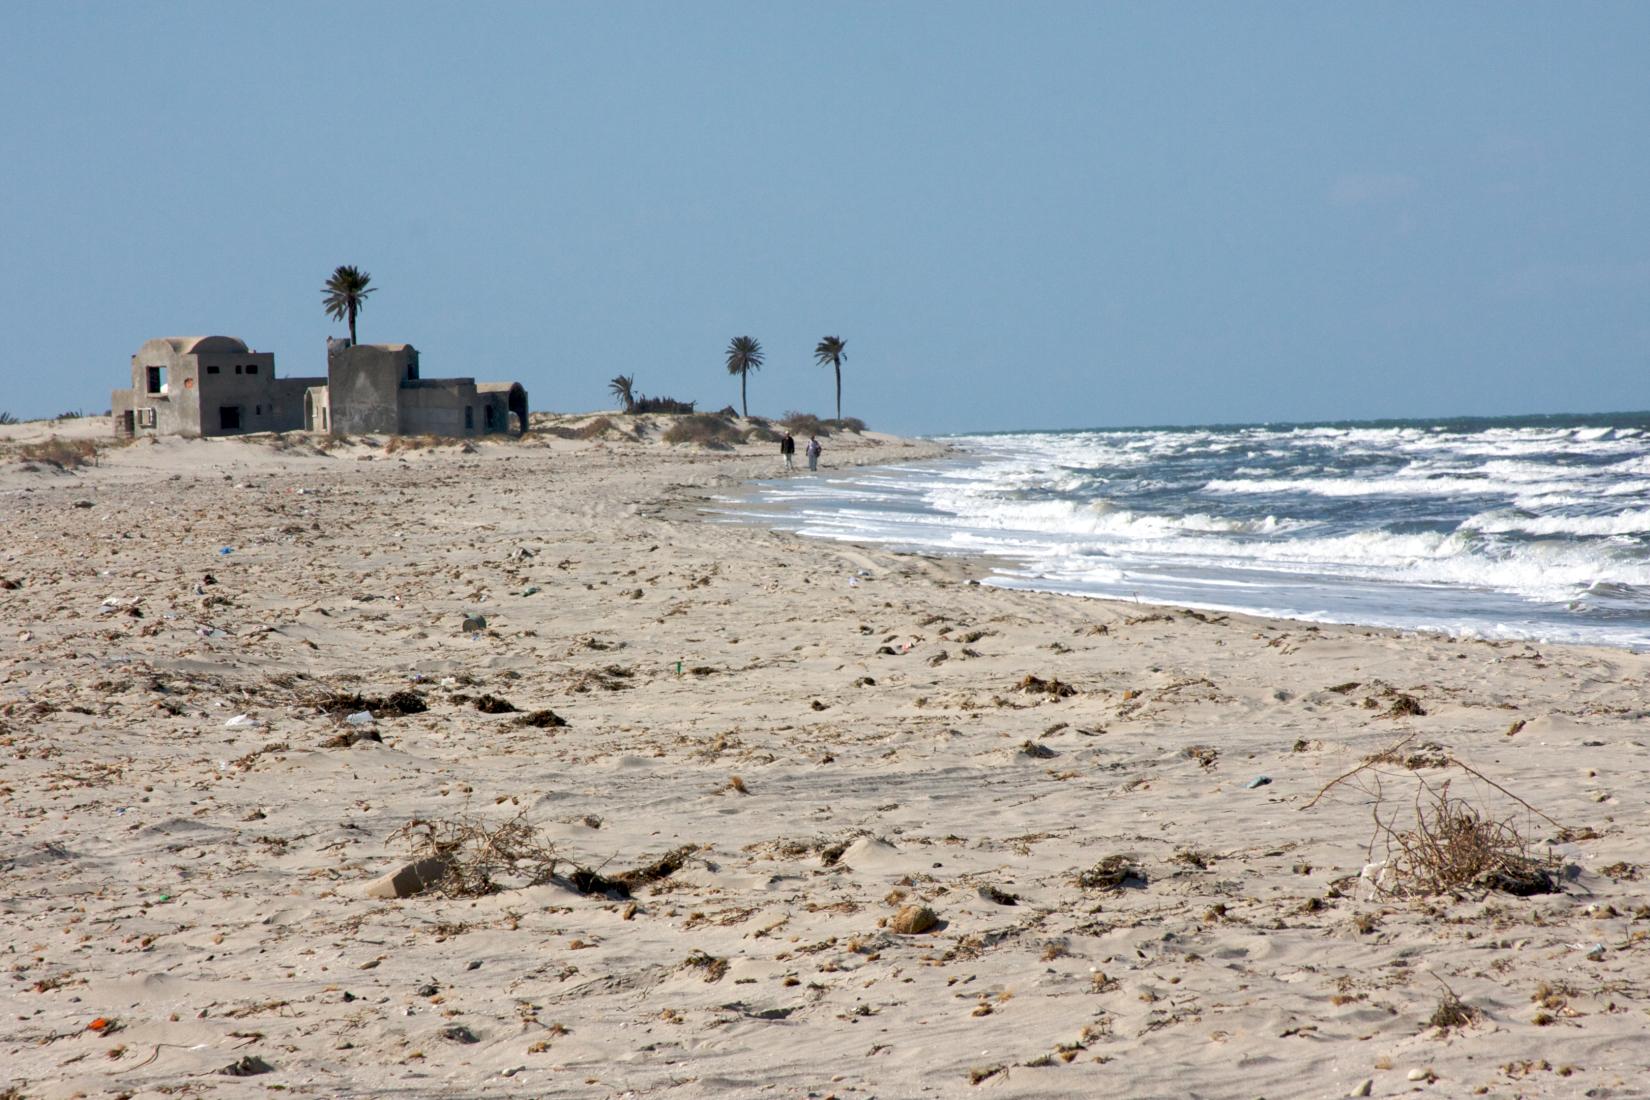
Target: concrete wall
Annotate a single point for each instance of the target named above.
(163, 384)
(207, 386)
(441, 406)
(364, 387)
(504, 398)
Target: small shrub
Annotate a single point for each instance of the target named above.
(800, 423)
(759, 434)
(662, 405)
(848, 424)
(1452, 1012)
(64, 454)
(413, 443)
(596, 428)
(704, 429)
(72, 414)
(7, 418)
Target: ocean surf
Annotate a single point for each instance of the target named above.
(1529, 528)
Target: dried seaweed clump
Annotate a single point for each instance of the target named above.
(479, 856)
(589, 881)
(1112, 873)
(394, 705)
(1036, 685)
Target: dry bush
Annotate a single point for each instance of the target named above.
(597, 428)
(414, 443)
(801, 423)
(761, 434)
(478, 855)
(705, 429)
(1435, 842)
(847, 424)
(1452, 1012)
(64, 454)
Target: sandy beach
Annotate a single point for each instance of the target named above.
(797, 818)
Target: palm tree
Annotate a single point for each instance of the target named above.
(620, 388)
(830, 351)
(345, 295)
(744, 356)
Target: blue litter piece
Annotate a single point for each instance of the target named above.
(225, 551)
(1258, 781)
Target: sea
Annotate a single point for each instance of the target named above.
(1533, 528)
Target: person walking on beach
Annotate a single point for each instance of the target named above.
(813, 452)
(787, 447)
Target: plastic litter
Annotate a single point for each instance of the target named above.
(1258, 781)
(241, 721)
(360, 718)
(225, 551)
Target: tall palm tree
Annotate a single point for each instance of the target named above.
(345, 295)
(620, 388)
(744, 356)
(830, 351)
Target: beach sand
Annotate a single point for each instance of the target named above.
(867, 855)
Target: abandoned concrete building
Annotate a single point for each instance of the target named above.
(207, 385)
(216, 385)
(376, 388)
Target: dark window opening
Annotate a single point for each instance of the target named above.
(210, 369)
(487, 417)
(128, 422)
(237, 368)
(252, 368)
(469, 418)
(229, 418)
(156, 377)
(257, 410)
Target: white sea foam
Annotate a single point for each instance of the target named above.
(1529, 530)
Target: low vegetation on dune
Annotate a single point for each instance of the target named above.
(644, 404)
(705, 429)
(61, 454)
(801, 423)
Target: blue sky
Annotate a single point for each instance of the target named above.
(1018, 215)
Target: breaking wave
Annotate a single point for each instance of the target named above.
(1510, 528)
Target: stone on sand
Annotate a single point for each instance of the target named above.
(408, 879)
(913, 920)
